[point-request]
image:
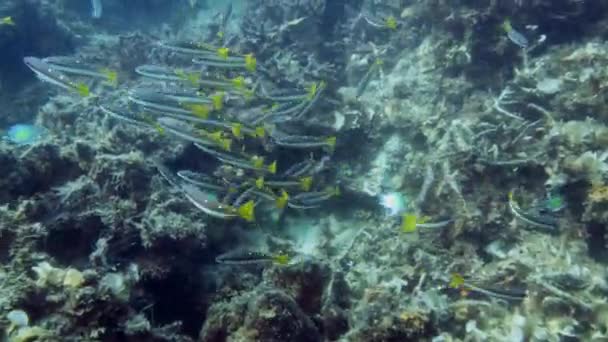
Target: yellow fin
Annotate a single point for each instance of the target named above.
(281, 259)
(215, 136)
(236, 129)
(248, 94)
(250, 62)
(272, 168)
(191, 77)
(238, 82)
(226, 144)
(391, 22)
(160, 129)
(223, 52)
(259, 183)
(456, 281)
(218, 101)
(220, 35)
(306, 183)
(82, 89)
(260, 132)
(180, 73)
(312, 91)
(409, 223)
(7, 21)
(111, 76)
(331, 143)
(257, 161)
(199, 110)
(246, 211)
(423, 219)
(506, 25)
(282, 200)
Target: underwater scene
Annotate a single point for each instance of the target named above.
(303, 170)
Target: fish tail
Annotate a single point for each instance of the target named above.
(506, 25)
(272, 168)
(226, 144)
(250, 62)
(409, 223)
(331, 143)
(259, 183)
(223, 52)
(218, 101)
(260, 132)
(282, 200)
(111, 76)
(246, 211)
(82, 89)
(237, 130)
(201, 111)
(281, 259)
(306, 183)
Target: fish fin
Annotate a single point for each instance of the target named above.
(194, 78)
(181, 74)
(246, 211)
(282, 200)
(8, 21)
(238, 82)
(160, 129)
(312, 90)
(281, 259)
(223, 52)
(506, 25)
(331, 143)
(199, 110)
(236, 129)
(248, 94)
(391, 22)
(82, 89)
(260, 132)
(456, 281)
(111, 76)
(218, 101)
(409, 223)
(226, 144)
(257, 161)
(272, 168)
(423, 219)
(191, 77)
(215, 136)
(259, 183)
(250, 62)
(306, 183)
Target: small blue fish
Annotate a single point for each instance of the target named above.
(24, 134)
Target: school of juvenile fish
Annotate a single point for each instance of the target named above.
(204, 103)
